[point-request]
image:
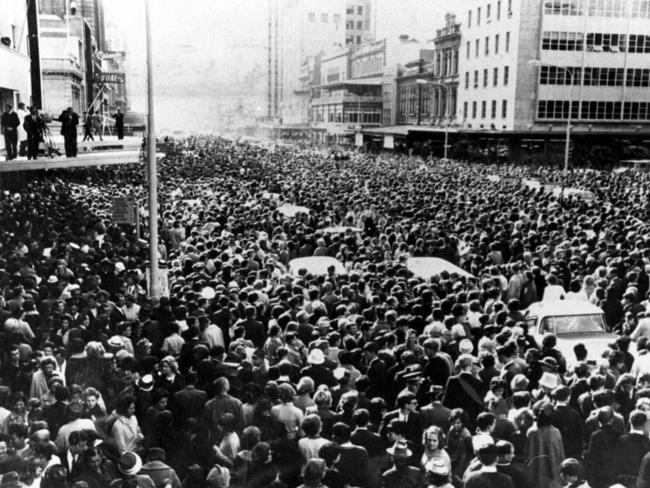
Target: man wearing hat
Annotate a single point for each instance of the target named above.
(317, 370)
(129, 468)
(401, 475)
(407, 404)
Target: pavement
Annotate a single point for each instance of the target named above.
(90, 158)
(110, 143)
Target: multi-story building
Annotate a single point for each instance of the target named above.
(15, 81)
(349, 92)
(428, 85)
(299, 29)
(68, 48)
(526, 65)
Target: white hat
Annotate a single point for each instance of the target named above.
(316, 356)
(548, 380)
(465, 346)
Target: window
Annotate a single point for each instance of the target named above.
(496, 44)
(358, 39)
(359, 10)
(477, 48)
(636, 111)
(495, 77)
(469, 19)
(506, 75)
(349, 10)
(638, 77)
(473, 110)
(487, 45)
(488, 12)
(475, 78)
(478, 16)
(509, 8)
(312, 17)
(507, 42)
(483, 109)
(499, 10)
(337, 18)
(494, 109)
(554, 75)
(564, 7)
(466, 80)
(360, 25)
(324, 18)
(464, 110)
(485, 78)
(504, 108)
(556, 109)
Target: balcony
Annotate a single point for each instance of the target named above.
(61, 65)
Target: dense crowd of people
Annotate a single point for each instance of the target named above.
(249, 374)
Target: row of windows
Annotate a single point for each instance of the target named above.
(368, 65)
(593, 110)
(335, 114)
(408, 101)
(599, 8)
(554, 75)
(488, 12)
(350, 10)
(324, 18)
(484, 107)
(486, 45)
(446, 62)
(486, 77)
(595, 41)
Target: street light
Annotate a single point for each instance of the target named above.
(420, 82)
(567, 142)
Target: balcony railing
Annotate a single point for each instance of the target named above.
(61, 65)
(346, 98)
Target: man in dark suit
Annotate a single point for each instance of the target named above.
(465, 390)
(362, 436)
(568, 422)
(317, 370)
(630, 449)
(34, 125)
(353, 463)
(407, 405)
(69, 122)
(601, 455)
(190, 401)
(435, 413)
(119, 124)
(377, 370)
(10, 122)
(401, 475)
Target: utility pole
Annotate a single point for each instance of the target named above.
(154, 283)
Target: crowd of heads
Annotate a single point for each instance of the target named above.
(249, 373)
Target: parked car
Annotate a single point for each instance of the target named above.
(572, 321)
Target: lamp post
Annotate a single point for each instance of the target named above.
(571, 73)
(421, 82)
(154, 284)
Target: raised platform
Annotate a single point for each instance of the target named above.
(89, 159)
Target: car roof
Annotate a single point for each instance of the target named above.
(316, 265)
(563, 307)
(426, 267)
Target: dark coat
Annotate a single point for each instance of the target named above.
(189, 403)
(369, 440)
(34, 127)
(69, 122)
(457, 397)
(601, 457)
(353, 465)
(413, 432)
(630, 450)
(569, 423)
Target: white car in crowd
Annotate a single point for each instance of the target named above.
(316, 266)
(572, 322)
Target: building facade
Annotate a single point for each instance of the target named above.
(68, 49)
(525, 66)
(15, 79)
(299, 29)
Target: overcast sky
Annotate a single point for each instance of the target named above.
(201, 45)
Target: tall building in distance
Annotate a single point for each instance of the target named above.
(302, 28)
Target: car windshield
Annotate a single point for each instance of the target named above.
(572, 324)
